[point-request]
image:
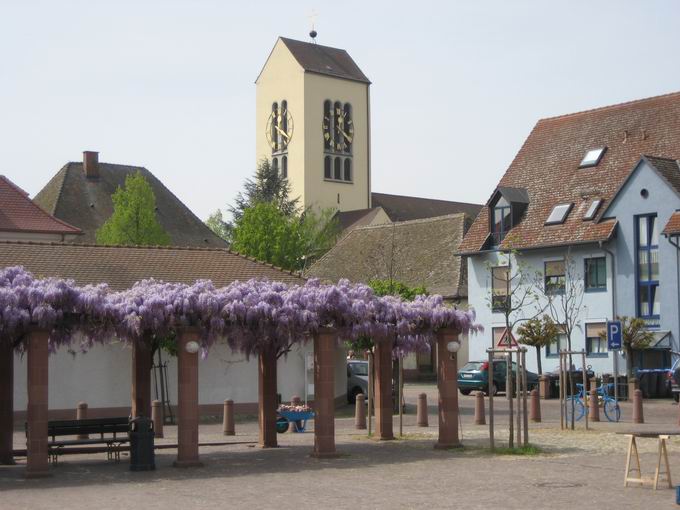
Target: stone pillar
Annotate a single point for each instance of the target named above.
(593, 405)
(638, 415)
(6, 402)
(81, 414)
(544, 386)
(141, 379)
(480, 412)
(384, 409)
(535, 407)
(421, 410)
(187, 400)
(37, 462)
(632, 387)
(157, 418)
(447, 383)
(324, 393)
(228, 427)
(267, 399)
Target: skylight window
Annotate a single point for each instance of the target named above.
(594, 206)
(558, 214)
(592, 157)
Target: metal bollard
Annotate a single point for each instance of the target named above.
(228, 428)
(638, 417)
(81, 414)
(360, 412)
(157, 418)
(421, 411)
(480, 413)
(535, 406)
(594, 405)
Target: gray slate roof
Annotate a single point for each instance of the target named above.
(356, 218)
(423, 254)
(325, 60)
(404, 208)
(86, 203)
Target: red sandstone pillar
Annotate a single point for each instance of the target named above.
(421, 411)
(638, 416)
(6, 402)
(535, 406)
(480, 412)
(324, 393)
(187, 400)
(228, 427)
(447, 383)
(360, 412)
(267, 398)
(593, 407)
(141, 379)
(37, 462)
(383, 390)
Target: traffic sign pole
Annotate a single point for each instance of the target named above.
(614, 345)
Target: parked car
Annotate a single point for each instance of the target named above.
(674, 375)
(357, 379)
(475, 376)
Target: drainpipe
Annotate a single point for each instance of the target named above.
(611, 254)
(677, 268)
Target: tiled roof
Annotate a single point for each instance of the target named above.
(18, 213)
(547, 167)
(356, 218)
(420, 252)
(325, 60)
(669, 169)
(404, 208)
(673, 225)
(122, 266)
(86, 203)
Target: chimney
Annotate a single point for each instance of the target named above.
(91, 164)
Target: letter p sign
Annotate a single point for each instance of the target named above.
(614, 335)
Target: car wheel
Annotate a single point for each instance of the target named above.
(465, 391)
(494, 389)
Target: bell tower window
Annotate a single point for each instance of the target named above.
(338, 140)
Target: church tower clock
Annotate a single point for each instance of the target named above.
(313, 124)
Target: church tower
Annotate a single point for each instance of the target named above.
(313, 124)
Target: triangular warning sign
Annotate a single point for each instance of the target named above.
(507, 341)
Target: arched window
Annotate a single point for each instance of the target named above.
(337, 136)
(348, 169)
(327, 126)
(327, 167)
(274, 134)
(284, 167)
(337, 171)
(348, 128)
(284, 123)
(275, 165)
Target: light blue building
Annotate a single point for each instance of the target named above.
(588, 208)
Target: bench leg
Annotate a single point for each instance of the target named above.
(632, 451)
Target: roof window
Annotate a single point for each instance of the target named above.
(592, 157)
(558, 214)
(594, 206)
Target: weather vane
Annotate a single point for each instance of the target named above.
(312, 17)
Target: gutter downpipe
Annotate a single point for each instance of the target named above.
(669, 238)
(616, 354)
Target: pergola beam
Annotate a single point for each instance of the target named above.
(383, 390)
(141, 378)
(325, 341)
(267, 398)
(187, 400)
(447, 383)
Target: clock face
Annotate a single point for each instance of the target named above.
(279, 129)
(338, 132)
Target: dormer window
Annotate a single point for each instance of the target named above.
(506, 208)
(558, 214)
(592, 210)
(592, 157)
(502, 220)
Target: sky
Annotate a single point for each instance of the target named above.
(456, 85)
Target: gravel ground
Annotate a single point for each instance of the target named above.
(575, 469)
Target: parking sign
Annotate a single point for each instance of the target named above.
(614, 335)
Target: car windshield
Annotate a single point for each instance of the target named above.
(359, 368)
(473, 365)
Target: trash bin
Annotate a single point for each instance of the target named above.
(142, 456)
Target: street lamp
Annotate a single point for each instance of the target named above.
(453, 347)
(192, 347)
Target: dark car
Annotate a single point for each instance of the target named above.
(674, 375)
(357, 379)
(475, 376)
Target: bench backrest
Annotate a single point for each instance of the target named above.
(101, 426)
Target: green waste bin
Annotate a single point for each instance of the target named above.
(142, 455)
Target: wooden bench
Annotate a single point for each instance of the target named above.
(633, 458)
(112, 432)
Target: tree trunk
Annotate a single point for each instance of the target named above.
(538, 359)
(629, 362)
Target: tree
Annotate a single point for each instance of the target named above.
(216, 223)
(634, 336)
(133, 221)
(538, 333)
(318, 233)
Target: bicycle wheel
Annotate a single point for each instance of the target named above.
(579, 409)
(612, 410)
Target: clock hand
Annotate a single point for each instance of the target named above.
(283, 133)
(349, 138)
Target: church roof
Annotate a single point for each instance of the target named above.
(420, 252)
(549, 167)
(315, 58)
(404, 208)
(86, 202)
(356, 218)
(18, 213)
(121, 266)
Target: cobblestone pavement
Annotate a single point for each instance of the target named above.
(576, 469)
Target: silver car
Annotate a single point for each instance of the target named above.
(357, 379)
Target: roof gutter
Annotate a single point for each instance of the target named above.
(531, 248)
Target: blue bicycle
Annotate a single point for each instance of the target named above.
(580, 403)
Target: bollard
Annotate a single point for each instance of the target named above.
(228, 428)
(535, 406)
(81, 414)
(638, 417)
(421, 411)
(544, 386)
(594, 405)
(632, 386)
(360, 412)
(593, 383)
(157, 418)
(480, 414)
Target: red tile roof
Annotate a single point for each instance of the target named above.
(18, 213)
(672, 228)
(547, 167)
